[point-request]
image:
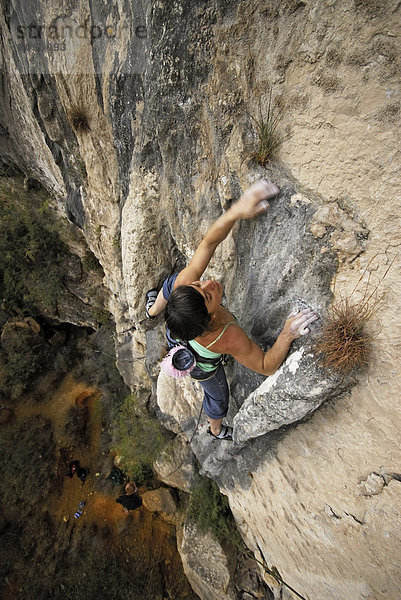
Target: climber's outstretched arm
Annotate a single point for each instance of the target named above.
(253, 202)
(238, 344)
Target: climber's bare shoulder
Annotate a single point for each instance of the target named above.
(236, 343)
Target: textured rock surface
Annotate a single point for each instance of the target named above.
(161, 501)
(178, 401)
(208, 568)
(248, 581)
(166, 153)
(284, 399)
(307, 513)
(177, 466)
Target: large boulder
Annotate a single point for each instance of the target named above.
(179, 402)
(210, 570)
(162, 502)
(177, 466)
(291, 394)
(22, 335)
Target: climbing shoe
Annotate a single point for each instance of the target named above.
(151, 296)
(226, 433)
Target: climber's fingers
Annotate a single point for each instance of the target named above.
(254, 200)
(299, 321)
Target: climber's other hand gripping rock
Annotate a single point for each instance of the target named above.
(297, 323)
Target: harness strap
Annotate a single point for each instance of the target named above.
(204, 359)
(173, 342)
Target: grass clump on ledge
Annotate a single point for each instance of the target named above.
(344, 343)
(267, 132)
(79, 119)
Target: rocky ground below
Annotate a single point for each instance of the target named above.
(45, 551)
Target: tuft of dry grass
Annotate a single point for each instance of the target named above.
(343, 343)
(79, 119)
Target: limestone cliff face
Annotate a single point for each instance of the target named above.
(165, 93)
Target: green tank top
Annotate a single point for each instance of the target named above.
(206, 353)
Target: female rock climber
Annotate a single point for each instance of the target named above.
(193, 312)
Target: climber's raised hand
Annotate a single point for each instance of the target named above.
(298, 322)
(254, 200)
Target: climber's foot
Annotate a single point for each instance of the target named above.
(226, 433)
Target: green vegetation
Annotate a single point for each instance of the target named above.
(139, 439)
(32, 254)
(100, 315)
(19, 367)
(33, 262)
(28, 465)
(210, 510)
(23, 354)
(90, 262)
(267, 131)
(101, 574)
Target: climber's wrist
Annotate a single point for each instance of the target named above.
(235, 212)
(286, 337)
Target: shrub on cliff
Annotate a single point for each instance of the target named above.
(343, 343)
(23, 355)
(267, 132)
(210, 510)
(27, 468)
(138, 439)
(32, 254)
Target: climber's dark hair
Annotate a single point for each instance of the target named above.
(186, 313)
